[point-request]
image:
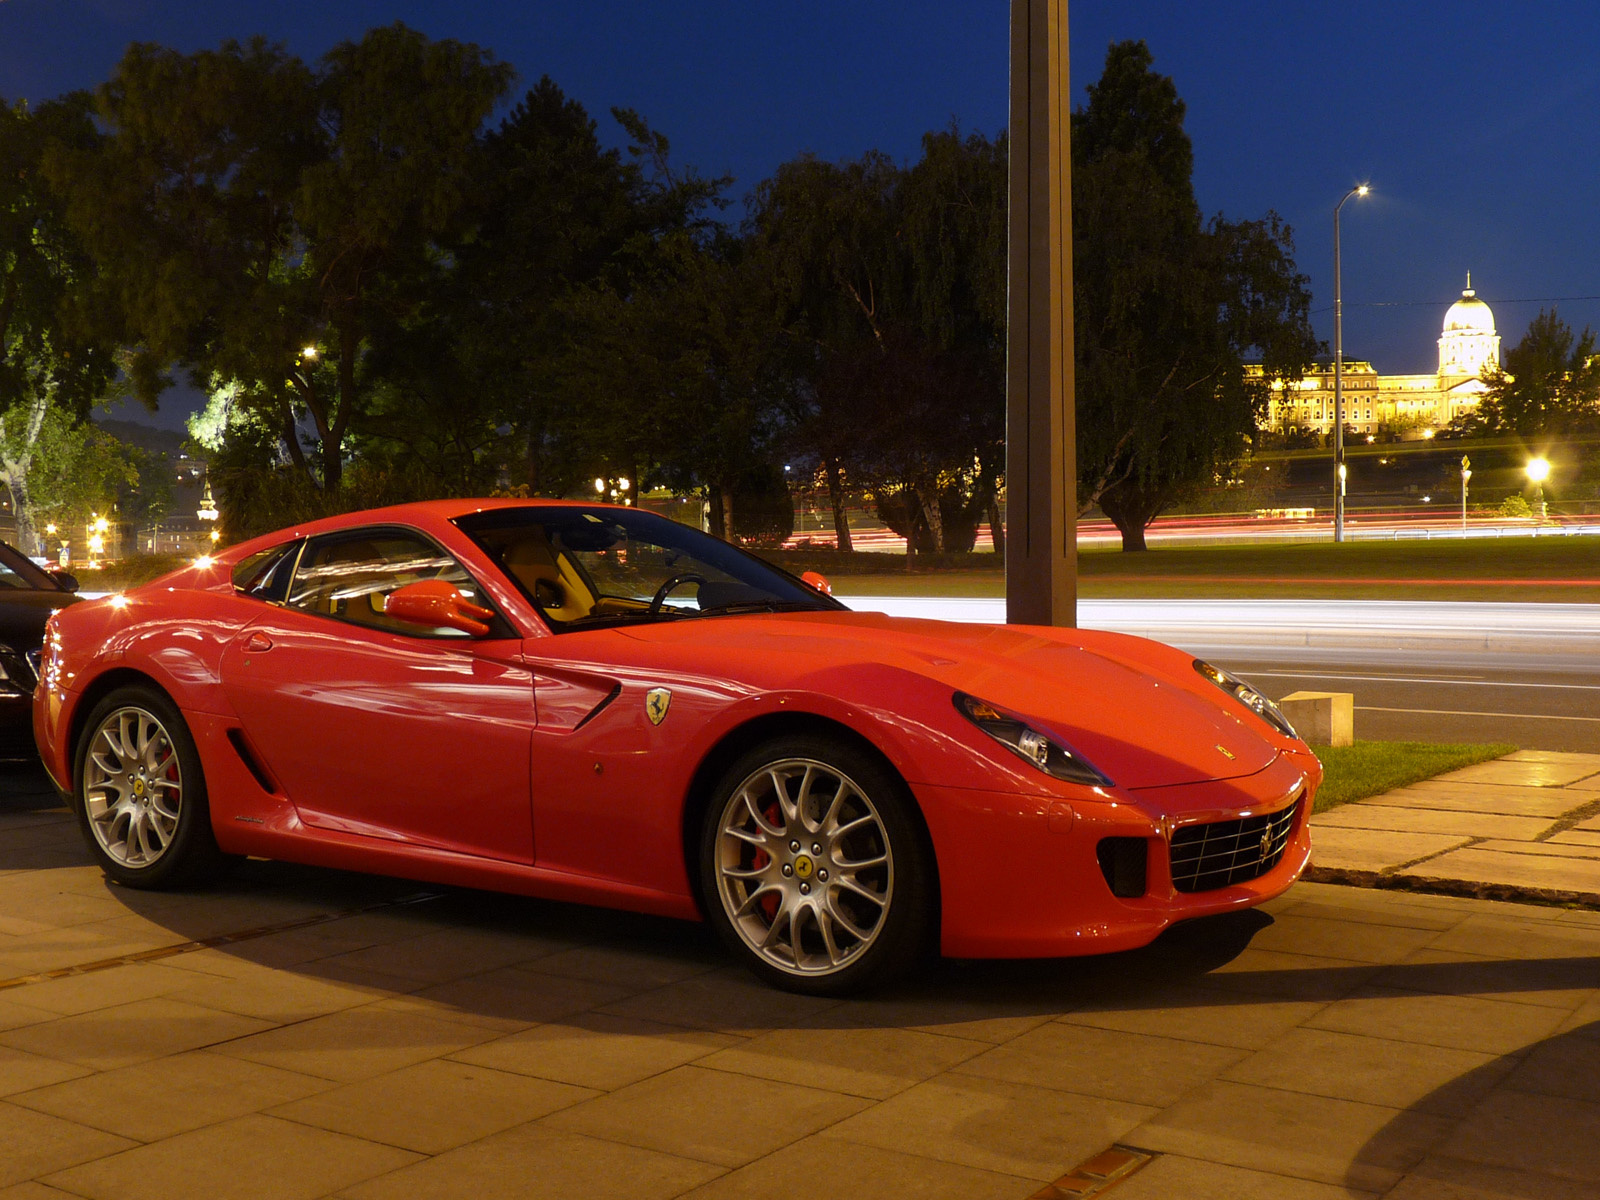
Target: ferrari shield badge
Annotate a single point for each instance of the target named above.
(656, 703)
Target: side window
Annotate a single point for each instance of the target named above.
(265, 575)
(350, 576)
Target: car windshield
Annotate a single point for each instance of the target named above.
(584, 566)
(17, 571)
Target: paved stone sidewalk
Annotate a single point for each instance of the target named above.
(1526, 826)
(300, 1033)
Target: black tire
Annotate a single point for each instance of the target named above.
(139, 835)
(821, 920)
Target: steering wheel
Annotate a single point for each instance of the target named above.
(666, 587)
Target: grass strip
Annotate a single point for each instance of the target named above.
(1371, 768)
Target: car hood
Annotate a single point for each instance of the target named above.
(1135, 709)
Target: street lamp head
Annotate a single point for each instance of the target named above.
(1362, 190)
(1538, 469)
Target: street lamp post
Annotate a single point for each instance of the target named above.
(1339, 472)
(1538, 470)
(1466, 474)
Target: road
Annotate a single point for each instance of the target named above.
(1419, 670)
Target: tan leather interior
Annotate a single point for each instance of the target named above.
(557, 589)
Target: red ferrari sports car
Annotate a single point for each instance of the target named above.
(597, 704)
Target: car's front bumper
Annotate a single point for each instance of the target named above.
(1021, 877)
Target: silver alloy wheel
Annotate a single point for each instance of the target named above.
(132, 787)
(804, 866)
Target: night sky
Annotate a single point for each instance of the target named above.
(1477, 125)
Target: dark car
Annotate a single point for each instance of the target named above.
(28, 595)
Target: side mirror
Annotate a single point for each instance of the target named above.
(818, 581)
(437, 604)
(67, 582)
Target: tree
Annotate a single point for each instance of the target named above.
(50, 371)
(1166, 307)
(1550, 384)
(268, 225)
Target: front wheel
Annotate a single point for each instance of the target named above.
(815, 868)
(140, 794)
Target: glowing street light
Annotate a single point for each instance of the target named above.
(1538, 470)
(309, 353)
(1466, 474)
(1338, 370)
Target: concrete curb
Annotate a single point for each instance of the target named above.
(1466, 888)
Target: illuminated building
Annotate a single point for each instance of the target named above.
(1411, 405)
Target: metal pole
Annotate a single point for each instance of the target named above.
(1339, 473)
(1338, 384)
(1041, 449)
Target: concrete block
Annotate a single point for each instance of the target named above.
(1326, 718)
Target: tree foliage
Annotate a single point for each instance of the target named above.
(1549, 385)
(1167, 307)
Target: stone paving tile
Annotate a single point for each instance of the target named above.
(1111, 1064)
(282, 997)
(1372, 1070)
(36, 1144)
(1365, 1146)
(22, 1072)
(1548, 847)
(1192, 1013)
(1551, 872)
(595, 1050)
(1289, 976)
(533, 1162)
(433, 1106)
(1455, 1022)
(1553, 1135)
(356, 1044)
(1548, 803)
(168, 1096)
(1516, 933)
(636, 967)
(1373, 815)
(1353, 849)
(875, 1063)
(1174, 1177)
(1355, 904)
(1563, 1066)
(35, 1191)
(1441, 1178)
(1364, 942)
(995, 1125)
(715, 1116)
(1527, 772)
(251, 1158)
(1576, 837)
(14, 1015)
(131, 1033)
(104, 989)
(730, 1000)
(447, 954)
(509, 1000)
(1559, 983)
(873, 1173)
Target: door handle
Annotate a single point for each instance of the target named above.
(257, 642)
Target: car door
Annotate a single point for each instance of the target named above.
(379, 728)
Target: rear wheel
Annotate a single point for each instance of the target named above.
(815, 868)
(140, 794)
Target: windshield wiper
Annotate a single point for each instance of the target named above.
(759, 606)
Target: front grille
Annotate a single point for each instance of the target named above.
(1227, 852)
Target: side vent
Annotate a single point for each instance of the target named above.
(1122, 862)
(251, 763)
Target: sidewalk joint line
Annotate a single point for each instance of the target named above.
(212, 942)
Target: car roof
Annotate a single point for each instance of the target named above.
(421, 513)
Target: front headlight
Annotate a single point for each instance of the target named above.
(1042, 751)
(1247, 696)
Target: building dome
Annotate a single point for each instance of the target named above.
(1469, 346)
(1469, 314)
